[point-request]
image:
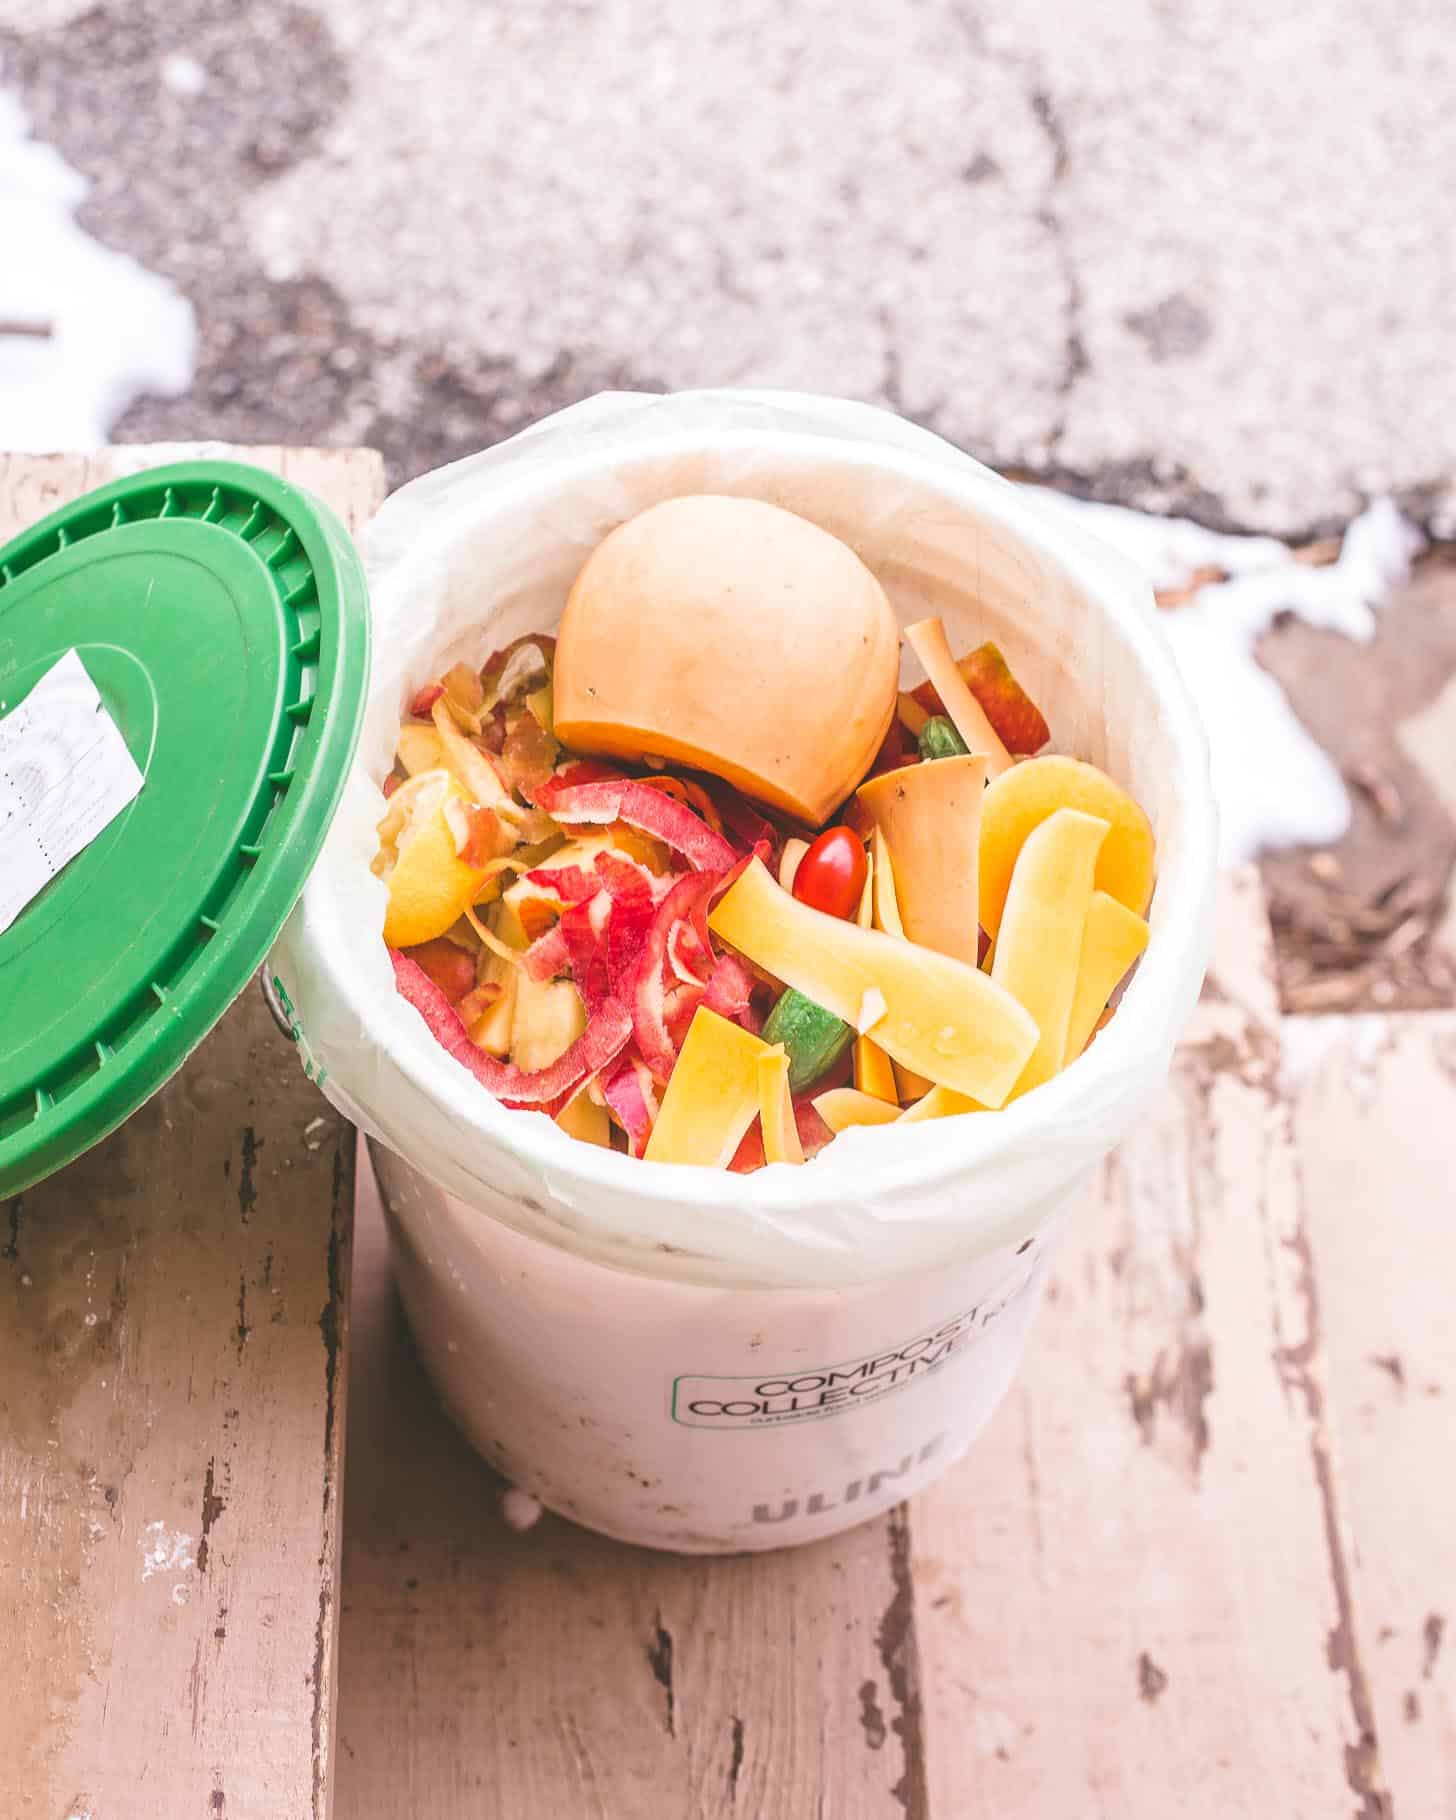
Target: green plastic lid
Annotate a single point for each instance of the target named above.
(223, 617)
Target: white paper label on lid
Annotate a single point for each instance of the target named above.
(65, 774)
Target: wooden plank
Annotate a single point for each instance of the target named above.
(354, 488)
(557, 1673)
(32, 485)
(173, 1318)
(1134, 1597)
(1374, 1113)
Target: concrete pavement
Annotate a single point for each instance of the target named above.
(1195, 255)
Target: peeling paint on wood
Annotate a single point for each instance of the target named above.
(1302, 1363)
(486, 1671)
(1378, 1192)
(659, 1659)
(1127, 1592)
(168, 1521)
(1151, 1679)
(900, 1656)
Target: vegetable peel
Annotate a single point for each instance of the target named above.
(842, 1107)
(712, 1097)
(651, 810)
(943, 1019)
(776, 1107)
(1039, 946)
(1021, 800)
(1113, 939)
(928, 821)
(430, 884)
(545, 1089)
(927, 639)
(874, 1072)
(939, 1103)
(1014, 716)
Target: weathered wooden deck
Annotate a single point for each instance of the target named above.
(1201, 1563)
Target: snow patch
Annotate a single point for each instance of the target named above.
(83, 329)
(1275, 786)
(1167, 550)
(1304, 1043)
(183, 75)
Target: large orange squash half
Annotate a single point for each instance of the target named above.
(730, 635)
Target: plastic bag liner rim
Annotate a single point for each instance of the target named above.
(889, 1163)
(435, 1073)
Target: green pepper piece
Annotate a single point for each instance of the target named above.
(939, 739)
(814, 1038)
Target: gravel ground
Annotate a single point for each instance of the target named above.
(1371, 924)
(1196, 255)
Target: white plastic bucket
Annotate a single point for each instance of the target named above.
(676, 1357)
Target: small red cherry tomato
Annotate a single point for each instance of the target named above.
(831, 874)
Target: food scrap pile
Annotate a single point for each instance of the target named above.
(659, 954)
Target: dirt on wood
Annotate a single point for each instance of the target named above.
(1370, 924)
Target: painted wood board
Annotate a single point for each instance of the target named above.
(555, 1672)
(1135, 1597)
(1374, 1104)
(173, 1335)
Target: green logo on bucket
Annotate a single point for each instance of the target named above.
(311, 1067)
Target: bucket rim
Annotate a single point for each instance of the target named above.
(1181, 911)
